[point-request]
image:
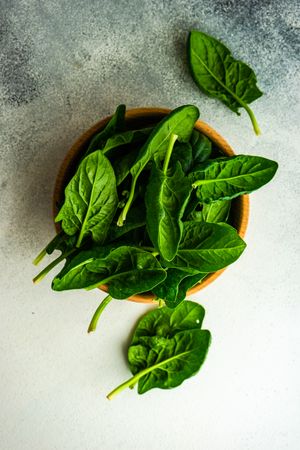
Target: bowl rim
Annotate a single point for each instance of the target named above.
(135, 113)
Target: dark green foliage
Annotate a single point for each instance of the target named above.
(168, 347)
(219, 75)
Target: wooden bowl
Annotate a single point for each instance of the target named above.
(139, 118)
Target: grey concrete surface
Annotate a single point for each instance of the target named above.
(63, 65)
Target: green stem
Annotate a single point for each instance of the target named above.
(50, 266)
(252, 117)
(133, 380)
(172, 141)
(39, 257)
(125, 210)
(98, 312)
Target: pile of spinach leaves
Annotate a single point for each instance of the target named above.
(148, 210)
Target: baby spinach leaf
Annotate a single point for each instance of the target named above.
(74, 274)
(201, 148)
(127, 271)
(168, 347)
(166, 322)
(136, 218)
(182, 153)
(115, 125)
(227, 178)
(216, 212)
(122, 164)
(174, 288)
(90, 199)
(179, 122)
(127, 137)
(207, 247)
(219, 75)
(186, 284)
(166, 198)
(168, 289)
(62, 242)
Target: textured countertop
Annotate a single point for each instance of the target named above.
(63, 65)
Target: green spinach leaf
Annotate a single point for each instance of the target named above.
(201, 148)
(115, 125)
(183, 154)
(90, 199)
(127, 271)
(127, 137)
(166, 198)
(207, 247)
(168, 347)
(219, 75)
(174, 288)
(227, 178)
(179, 122)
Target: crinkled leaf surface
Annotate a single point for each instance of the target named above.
(171, 344)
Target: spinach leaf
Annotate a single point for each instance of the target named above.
(61, 242)
(219, 75)
(166, 198)
(179, 122)
(127, 271)
(115, 125)
(168, 347)
(174, 288)
(216, 212)
(201, 148)
(90, 199)
(122, 164)
(207, 247)
(183, 154)
(74, 274)
(127, 137)
(227, 178)
(166, 322)
(136, 218)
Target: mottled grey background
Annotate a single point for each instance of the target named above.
(63, 65)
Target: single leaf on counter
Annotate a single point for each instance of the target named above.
(167, 348)
(219, 75)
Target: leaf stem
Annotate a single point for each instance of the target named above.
(133, 380)
(252, 117)
(39, 257)
(98, 312)
(172, 141)
(50, 266)
(125, 210)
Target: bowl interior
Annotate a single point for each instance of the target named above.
(141, 118)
